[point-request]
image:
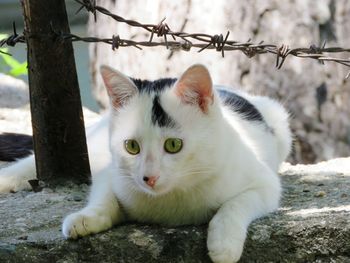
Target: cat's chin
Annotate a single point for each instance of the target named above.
(154, 192)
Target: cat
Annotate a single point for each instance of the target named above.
(175, 152)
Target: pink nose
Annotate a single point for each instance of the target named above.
(150, 180)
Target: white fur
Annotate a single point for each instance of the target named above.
(225, 174)
(15, 177)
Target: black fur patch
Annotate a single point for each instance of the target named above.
(15, 146)
(155, 86)
(240, 105)
(159, 116)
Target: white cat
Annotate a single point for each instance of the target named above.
(177, 152)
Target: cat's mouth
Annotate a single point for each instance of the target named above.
(156, 189)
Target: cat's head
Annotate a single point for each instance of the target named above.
(163, 133)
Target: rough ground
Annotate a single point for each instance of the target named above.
(312, 225)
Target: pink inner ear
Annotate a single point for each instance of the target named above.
(195, 87)
(107, 75)
(119, 87)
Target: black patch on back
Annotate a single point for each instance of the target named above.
(15, 146)
(240, 105)
(159, 116)
(155, 86)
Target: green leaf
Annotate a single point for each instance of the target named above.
(2, 36)
(10, 61)
(10, 64)
(20, 70)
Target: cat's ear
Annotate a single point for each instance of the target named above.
(119, 87)
(195, 87)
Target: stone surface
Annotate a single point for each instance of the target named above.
(309, 226)
(316, 95)
(14, 92)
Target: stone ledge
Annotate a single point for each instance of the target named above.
(312, 225)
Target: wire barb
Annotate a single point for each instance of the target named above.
(317, 50)
(13, 39)
(115, 42)
(218, 42)
(89, 5)
(162, 29)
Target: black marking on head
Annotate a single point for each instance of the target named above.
(240, 105)
(156, 86)
(15, 146)
(159, 116)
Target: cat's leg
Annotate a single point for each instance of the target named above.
(15, 176)
(101, 213)
(227, 229)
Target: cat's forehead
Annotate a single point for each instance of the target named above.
(151, 102)
(148, 114)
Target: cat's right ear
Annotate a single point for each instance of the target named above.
(195, 87)
(119, 87)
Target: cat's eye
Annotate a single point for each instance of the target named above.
(173, 145)
(132, 146)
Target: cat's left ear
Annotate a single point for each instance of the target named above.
(120, 88)
(195, 87)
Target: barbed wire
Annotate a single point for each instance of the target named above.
(217, 42)
(187, 41)
(12, 40)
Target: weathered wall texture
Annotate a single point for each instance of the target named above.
(322, 130)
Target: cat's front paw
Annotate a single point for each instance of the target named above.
(85, 222)
(225, 244)
(225, 251)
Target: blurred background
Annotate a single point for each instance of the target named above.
(316, 95)
(10, 11)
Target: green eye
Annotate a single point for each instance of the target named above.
(173, 145)
(132, 146)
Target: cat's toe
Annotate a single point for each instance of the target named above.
(225, 250)
(74, 226)
(225, 255)
(86, 222)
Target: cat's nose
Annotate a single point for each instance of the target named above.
(150, 180)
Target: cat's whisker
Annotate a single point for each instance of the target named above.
(124, 176)
(199, 167)
(198, 172)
